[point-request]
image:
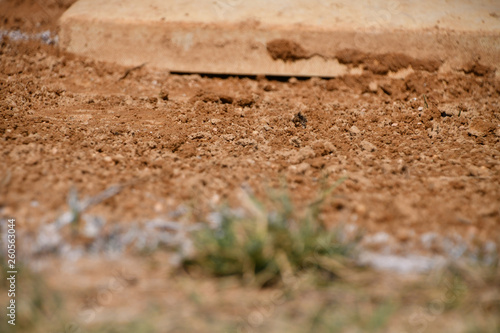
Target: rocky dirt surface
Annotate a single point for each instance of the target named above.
(421, 153)
(421, 150)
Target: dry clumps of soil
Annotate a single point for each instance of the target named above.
(421, 153)
(380, 64)
(415, 165)
(144, 153)
(286, 50)
(383, 63)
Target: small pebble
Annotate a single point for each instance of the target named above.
(354, 130)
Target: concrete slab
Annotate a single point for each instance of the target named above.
(287, 37)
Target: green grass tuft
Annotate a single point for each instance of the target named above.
(271, 242)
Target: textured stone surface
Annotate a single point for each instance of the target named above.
(236, 36)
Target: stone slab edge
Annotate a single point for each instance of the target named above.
(219, 45)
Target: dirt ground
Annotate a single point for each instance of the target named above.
(412, 169)
(421, 150)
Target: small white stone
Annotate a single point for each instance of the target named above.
(368, 146)
(354, 130)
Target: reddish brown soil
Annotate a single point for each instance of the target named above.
(192, 140)
(286, 50)
(379, 64)
(383, 63)
(32, 15)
